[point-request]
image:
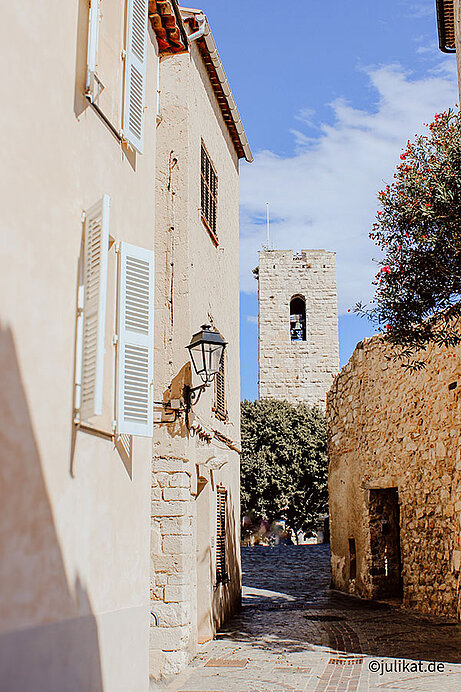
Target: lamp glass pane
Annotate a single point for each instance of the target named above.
(197, 356)
(214, 359)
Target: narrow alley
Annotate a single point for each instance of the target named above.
(294, 634)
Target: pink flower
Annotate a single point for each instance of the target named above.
(379, 213)
(388, 326)
(403, 157)
(386, 269)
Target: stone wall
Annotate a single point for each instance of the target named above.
(392, 429)
(297, 371)
(173, 554)
(197, 282)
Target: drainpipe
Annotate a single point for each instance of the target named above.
(201, 20)
(158, 116)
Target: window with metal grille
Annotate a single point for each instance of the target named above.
(209, 194)
(221, 573)
(219, 408)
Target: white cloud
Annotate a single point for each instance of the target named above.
(425, 8)
(427, 49)
(324, 196)
(307, 116)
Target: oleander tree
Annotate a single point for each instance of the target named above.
(418, 229)
(284, 466)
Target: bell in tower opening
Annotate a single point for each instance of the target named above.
(298, 319)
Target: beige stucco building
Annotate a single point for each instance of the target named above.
(76, 205)
(100, 295)
(298, 325)
(395, 478)
(195, 475)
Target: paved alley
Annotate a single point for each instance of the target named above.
(294, 634)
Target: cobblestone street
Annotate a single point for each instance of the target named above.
(294, 634)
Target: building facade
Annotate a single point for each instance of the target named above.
(298, 325)
(119, 510)
(195, 573)
(395, 478)
(77, 212)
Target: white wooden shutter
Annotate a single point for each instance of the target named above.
(94, 310)
(93, 37)
(135, 346)
(135, 73)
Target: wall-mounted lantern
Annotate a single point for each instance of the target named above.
(206, 349)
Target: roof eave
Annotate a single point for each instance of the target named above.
(441, 7)
(222, 89)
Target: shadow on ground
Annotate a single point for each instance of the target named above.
(288, 607)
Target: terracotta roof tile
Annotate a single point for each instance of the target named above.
(167, 27)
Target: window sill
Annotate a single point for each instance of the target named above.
(224, 417)
(211, 233)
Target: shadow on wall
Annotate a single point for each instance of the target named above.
(175, 390)
(48, 633)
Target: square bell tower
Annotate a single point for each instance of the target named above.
(298, 325)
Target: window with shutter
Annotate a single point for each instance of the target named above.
(220, 391)
(209, 194)
(135, 73)
(96, 245)
(135, 344)
(92, 52)
(221, 572)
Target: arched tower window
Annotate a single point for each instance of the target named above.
(298, 319)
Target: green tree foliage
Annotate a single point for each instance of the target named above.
(284, 468)
(418, 286)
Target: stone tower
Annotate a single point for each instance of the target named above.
(298, 325)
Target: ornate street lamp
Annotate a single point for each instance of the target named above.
(206, 349)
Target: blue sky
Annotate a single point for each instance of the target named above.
(329, 93)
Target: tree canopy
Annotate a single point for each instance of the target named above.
(284, 467)
(418, 286)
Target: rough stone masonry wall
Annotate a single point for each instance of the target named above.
(173, 555)
(389, 428)
(299, 371)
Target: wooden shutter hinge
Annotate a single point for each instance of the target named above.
(115, 339)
